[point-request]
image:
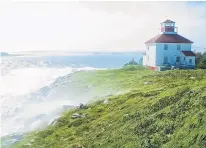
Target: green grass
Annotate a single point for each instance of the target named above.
(169, 113)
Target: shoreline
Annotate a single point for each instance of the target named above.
(141, 97)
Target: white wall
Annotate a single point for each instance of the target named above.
(151, 54)
(171, 53)
(185, 46)
(150, 58)
(144, 60)
(187, 60)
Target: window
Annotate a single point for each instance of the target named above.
(190, 61)
(177, 59)
(165, 60)
(148, 48)
(178, 47)
(165, 47)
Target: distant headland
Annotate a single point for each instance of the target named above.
(4, 54)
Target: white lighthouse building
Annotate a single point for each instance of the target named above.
(168, 49)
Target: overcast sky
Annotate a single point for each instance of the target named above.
(95, 26)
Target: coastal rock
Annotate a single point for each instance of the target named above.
(84, 115)
(76, 115)
(28, 144)
(14, 138)
(89, 86)
(147, 82)
(106, 101)
(10, 142)
(126, 115)
(82, 106)
(54, 121)
(77, 146)
(17, 136)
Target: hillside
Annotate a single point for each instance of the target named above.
(148, 109)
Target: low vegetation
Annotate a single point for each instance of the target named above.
(132, 62)
(153, 109)
(201, 60)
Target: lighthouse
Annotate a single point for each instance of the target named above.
(168, 49)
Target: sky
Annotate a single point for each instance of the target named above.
(95, 26)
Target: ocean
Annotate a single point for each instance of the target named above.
(29, 94)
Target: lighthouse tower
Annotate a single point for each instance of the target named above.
(168, 49)
(168, 27)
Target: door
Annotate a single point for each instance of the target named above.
(177, 61)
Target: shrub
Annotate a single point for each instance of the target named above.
(132, 62)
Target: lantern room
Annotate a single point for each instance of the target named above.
(168, 27)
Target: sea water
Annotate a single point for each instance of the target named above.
(29, 94)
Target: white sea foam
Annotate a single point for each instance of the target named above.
(26, 80)
(19, 114)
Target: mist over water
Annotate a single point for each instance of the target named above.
(35, 90)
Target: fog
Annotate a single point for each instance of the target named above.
(95, 26)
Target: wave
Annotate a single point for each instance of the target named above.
(32, 97)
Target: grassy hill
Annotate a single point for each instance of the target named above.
(150, 110)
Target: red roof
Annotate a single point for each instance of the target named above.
(168, 21)
(188, 53)
(168, 38)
